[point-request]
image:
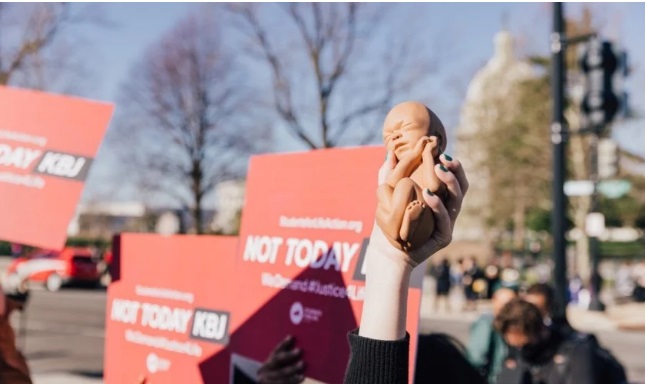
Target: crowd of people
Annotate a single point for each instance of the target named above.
(462, 283)
(473, 282)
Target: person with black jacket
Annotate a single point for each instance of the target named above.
(379, 348)
(608, 369)
(538, 354)
(442, 275)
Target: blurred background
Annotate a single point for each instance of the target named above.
(199, 88)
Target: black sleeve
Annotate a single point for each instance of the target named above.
(240, 377)
(377, 361)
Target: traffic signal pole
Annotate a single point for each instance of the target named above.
(599, 106)
(595, 278)
(559, 140)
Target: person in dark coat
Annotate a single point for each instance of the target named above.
(442, 274)
(537, 353)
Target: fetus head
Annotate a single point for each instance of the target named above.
(409, 121)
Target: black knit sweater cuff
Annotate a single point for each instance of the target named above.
(377, 361)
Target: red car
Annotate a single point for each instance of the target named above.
(56, 268)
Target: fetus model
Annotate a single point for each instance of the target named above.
(417, 138)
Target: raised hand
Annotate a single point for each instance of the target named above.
(450, 172)
(284, 365)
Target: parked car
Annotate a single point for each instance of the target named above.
(56, 268)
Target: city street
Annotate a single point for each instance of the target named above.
(65, 334)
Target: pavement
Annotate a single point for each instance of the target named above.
(62, 378)
(64, 337)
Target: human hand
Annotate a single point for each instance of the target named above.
(451, 173)
(284, 365)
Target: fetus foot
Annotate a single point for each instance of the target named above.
(416, 227)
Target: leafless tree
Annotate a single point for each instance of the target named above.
(330, 83)
(178, 130)
(38, 44)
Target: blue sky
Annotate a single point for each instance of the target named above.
(465, 32)
(471, 25)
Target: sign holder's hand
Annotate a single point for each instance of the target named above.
(284, 365)
(451, 173)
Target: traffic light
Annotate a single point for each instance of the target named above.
(624, 71)
(607, 158)
(599, 63)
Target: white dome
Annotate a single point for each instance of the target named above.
(495, 79)
(493, 82)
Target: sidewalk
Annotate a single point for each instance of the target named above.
(63, 378)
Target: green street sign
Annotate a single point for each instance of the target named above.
(614, 189)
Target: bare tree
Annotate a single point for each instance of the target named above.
(325, 77)
(178, 131)
(37, 49)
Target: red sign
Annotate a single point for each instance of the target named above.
(305, 227)
(168, 313)
(47, 143)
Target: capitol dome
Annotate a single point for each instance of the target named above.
(493, 82)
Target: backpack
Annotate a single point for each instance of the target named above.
(608, 369)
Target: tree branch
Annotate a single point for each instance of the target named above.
(33, 45)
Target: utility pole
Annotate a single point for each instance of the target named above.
(559, 140)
